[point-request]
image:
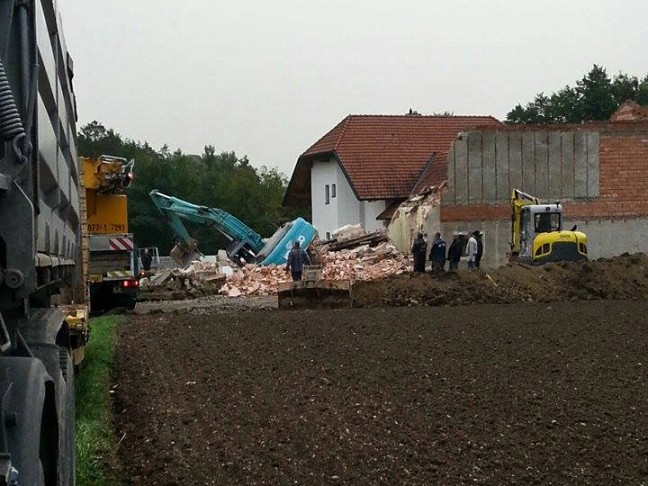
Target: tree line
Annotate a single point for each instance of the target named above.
(595, 96)
(220, 180)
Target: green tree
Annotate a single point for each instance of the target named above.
(594, 97)
(214, 180)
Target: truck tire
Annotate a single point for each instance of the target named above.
(32, 425)
(67, 461)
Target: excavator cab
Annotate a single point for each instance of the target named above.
(537, 234)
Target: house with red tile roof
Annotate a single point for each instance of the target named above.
(362, 169)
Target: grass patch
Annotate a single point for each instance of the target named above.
(96, 445)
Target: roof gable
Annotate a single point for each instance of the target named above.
(383, 156)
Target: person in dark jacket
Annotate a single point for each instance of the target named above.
(438, 253)
(147, 259)
(297, 258)
(419, 252)
(480, 248)
(455, 251)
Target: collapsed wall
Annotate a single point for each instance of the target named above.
(597, 170)
(418, 214)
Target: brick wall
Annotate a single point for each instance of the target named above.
(623, 182)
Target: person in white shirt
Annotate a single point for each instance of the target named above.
(473, 248)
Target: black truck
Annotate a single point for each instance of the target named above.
(40, 246)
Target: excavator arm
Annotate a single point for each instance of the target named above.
(519, 199)
(245, 243)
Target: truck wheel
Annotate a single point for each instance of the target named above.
(32, 440)
(67, 459)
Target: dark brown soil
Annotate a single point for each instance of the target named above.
(619, 278)
(491, 394)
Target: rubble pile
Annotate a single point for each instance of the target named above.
(360, 262)
(364, 263)
(254, 280)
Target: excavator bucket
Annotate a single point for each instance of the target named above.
(314, 293)
(325, 294)
(182, 257)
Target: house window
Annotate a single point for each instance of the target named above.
(333, 191)
(327, 194)
(328, 236)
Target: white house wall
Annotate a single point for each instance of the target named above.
(369, 211)
(342, 209)
(325, 216)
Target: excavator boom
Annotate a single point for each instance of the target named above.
(246, 244)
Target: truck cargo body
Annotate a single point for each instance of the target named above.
(40, 231)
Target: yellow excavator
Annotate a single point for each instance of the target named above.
(537, 234)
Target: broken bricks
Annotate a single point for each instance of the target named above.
(360, 263)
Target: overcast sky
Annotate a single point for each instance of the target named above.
(267, 79)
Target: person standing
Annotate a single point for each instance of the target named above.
(472, 250)
(455, 251)
(438, 253)
(419, 252)
(480, 249)
(297, 258)
(147, 259)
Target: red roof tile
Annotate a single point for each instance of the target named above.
(383, 156)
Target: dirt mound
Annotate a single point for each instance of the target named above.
(620, 278)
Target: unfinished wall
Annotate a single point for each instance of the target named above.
(599, 171)
(419, 214)
(484, 166)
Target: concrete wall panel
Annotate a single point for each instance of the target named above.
(554, 174)
(568, 164)
(461, 170)
(528, 162)
(502, 187)
(608, 238)
(541, 163)
(485, 165)
(475, 170)
(515, 161)
(489, 167)
(580, 168)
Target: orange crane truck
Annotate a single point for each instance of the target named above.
(113, 259)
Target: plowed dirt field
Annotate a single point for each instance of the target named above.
(486, 394)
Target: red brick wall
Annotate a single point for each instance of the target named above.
(623, 159)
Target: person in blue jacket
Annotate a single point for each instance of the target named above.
(438, 253)
(297, 258)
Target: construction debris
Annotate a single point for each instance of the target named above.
(364, 263)
(364, 259)
(348, 232)
(371, 239)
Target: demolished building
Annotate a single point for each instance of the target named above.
(598, 170)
